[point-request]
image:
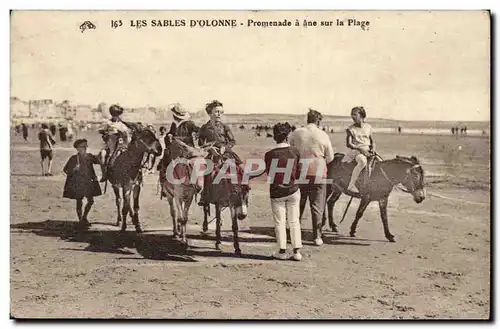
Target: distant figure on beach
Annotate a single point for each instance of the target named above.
(399, 130)
(46, 146)
(53, 129)
(465, 130)
(24, 128)
(453, 130)
(63, 130)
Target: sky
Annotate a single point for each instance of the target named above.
(406, 66)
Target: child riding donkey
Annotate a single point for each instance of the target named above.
(184, 130)
(361, 144)
(117, 135)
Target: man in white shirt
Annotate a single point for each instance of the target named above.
(316, 152)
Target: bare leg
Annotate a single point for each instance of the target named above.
(79, 204)
(43, 168)
(135, 214)
(218, 227)
(236, 241)
(361, 209)
(88, 206)
(118, 202)
(49, 170)
(383, 214)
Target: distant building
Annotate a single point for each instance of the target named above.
(19, 108)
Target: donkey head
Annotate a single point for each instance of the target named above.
(414, 178)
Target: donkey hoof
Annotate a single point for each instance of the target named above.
(238, 252)
(391, 238)
(352, 234)
(176, 238)
(217, 247)
(203, 233)
(138, 230)
(335, 229)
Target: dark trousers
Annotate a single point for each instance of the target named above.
(316, 193)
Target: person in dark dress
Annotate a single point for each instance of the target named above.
(25, 131)
(53, 129)
(63, 130)
(221, 135)
(81, 181)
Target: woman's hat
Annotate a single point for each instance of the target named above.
(115, 110)
(179, 112)
(79, 142)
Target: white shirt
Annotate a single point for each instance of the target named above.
(313, 143)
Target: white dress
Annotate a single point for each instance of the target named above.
(360, 138)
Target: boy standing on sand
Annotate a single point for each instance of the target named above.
(46, 143)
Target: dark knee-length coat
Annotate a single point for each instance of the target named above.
(81, 180)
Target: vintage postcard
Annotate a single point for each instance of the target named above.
(250, 164)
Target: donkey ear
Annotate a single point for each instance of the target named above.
(398, 157)
(414, 159)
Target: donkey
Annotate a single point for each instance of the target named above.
(384, 176)
(227, 193)
(125, 172)
(179, 186)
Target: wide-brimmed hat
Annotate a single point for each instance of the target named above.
(179, 112)
(79, 142)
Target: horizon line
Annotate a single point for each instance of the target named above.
(255, 113)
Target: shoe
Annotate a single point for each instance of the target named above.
(353, 189)
(318, 242)
(297, 256)
(280, 256)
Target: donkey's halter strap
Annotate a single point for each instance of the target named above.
(407, 173)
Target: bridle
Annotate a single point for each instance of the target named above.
(412, 188)
(145, 159)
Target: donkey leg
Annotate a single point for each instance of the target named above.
(383, 215)
(185, 218)
(118, 202)
(135, 214)
(330, 205)
(125, 208)
(236, 241)
(173, 213)
(206, 211)
(361, 209)
(218, 225)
